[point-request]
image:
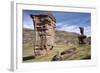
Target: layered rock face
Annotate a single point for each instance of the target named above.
(44, 28)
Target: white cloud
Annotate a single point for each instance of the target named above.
(87, 31)
(28, 26)
(75, 28)
(71, 28)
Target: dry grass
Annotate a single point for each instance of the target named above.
(61, 44)
(82, 52)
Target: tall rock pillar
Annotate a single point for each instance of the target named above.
(44, 28)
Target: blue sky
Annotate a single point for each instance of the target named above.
(65, 21)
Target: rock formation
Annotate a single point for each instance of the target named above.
(44, 27)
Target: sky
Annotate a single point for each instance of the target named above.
(65, 21)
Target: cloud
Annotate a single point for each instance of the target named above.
(87, 31)
(28, 26)
(66, 27)
(73, 28)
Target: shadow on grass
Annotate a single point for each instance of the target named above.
(88, 57)
(28, 58)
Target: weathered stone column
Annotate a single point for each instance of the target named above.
(44, 28)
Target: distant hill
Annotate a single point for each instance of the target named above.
(61, 37)
(66, 37)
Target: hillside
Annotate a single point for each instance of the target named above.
(61, 37)
(63, 41)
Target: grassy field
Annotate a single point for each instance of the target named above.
(63, 41)
(82, 52)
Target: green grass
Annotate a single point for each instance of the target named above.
(81, 52)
